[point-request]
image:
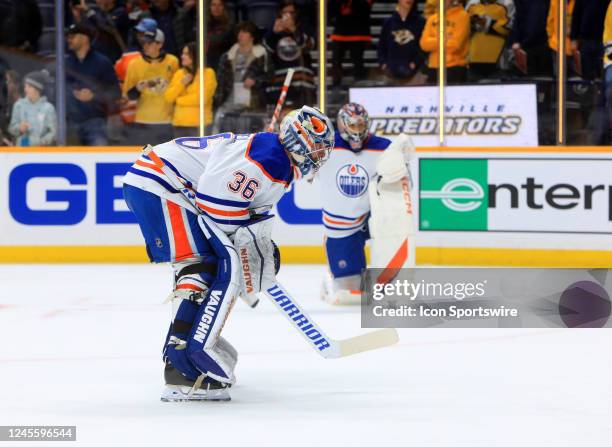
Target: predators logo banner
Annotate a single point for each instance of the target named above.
(477, 115)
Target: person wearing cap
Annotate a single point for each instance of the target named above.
(92, 89)
(146, 81)
(128, 106)
(33, 121)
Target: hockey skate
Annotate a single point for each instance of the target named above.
(341, 291)
(180, 389)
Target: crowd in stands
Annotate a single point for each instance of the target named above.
(134, 63)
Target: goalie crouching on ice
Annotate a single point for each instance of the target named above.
(365, 191)
(202, 203)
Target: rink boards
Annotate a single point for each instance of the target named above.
(474, 206)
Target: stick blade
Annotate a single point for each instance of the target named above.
(368, 342)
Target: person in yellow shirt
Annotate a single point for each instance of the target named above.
(184, 93)
(457, 42)
(552, 29)
(492, 21)
(146, 81)
(607, 63)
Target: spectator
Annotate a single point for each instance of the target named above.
(137, 9)
(164, 12)
(398, 45)
(552, 29)
(289, 47)
(146, 81)
(184, 92)
(243, 68)
(110, 22)
(20, 24)
(491, 23)
(457, 42)
(351, 19)
(587, 33)
(430, 8)
(185, 24)
(607, 42)
(529, 35)
(92, 89)
(128, 106)
(10, 93)
(33, 121)
(220, 33)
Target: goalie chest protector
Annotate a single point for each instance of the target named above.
(344, 180)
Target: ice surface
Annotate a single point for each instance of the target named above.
(81, 346)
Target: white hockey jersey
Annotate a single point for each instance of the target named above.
(233, 174)
(344, 180)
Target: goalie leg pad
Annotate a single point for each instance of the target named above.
(391, 225)
(346, 255)
(205, 353)
(187, 297)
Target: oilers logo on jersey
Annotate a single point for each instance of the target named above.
(352, 180)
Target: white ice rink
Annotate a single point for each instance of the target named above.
(81, 345)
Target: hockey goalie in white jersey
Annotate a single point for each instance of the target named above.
(365, 191)
(199, 201)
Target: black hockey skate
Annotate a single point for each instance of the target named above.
(180, 389)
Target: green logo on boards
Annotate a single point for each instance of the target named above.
(453, 194)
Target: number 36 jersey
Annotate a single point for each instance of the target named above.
(230, 175)
(344, 180)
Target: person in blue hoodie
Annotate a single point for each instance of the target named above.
(33, 120)
(399, 53)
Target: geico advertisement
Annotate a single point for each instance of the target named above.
(478, 115)
(68, 198)
(543, 195)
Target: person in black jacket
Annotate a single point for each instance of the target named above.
(219, 32)
(185, 24)
(351, 19)
(20, 24)
(529, 35)
(587, 33)
(399, 53)
(110, 23)
(164, 12)
(289, 47)
(92, 89)
(245, 63)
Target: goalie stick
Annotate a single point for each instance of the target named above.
(317, 338)
(281, 99)
(282, 300)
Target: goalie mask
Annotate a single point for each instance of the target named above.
(308, 135)
(353, 124)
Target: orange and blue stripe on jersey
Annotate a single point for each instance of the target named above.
(373, 143)
(145, 167)
(223, 211)
(342, 223)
